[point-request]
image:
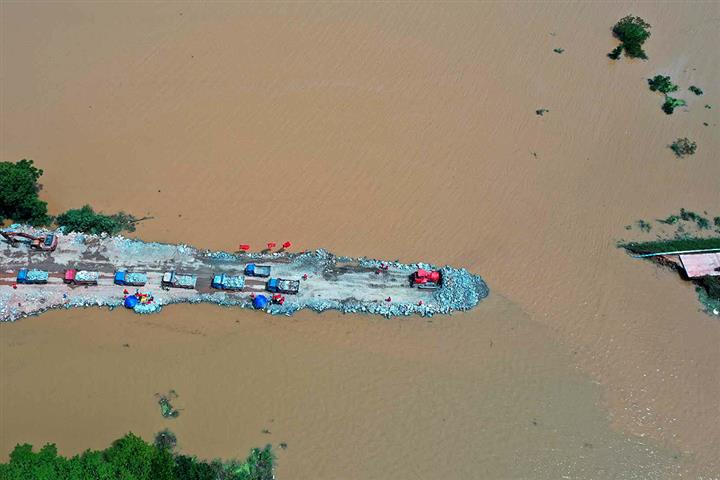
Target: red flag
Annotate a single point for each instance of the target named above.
(244, 247)
(287, 245)
(271, 245)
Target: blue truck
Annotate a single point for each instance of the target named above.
(224, 281)
(130, 279)
(253, 270)
(281, 285)
(32, 276)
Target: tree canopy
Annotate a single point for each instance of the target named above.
(662, 84)
(19, 193)
(632, 32)
(132, 458)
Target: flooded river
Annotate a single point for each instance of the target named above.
(392, 131)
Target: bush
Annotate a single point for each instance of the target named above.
(697, 91)
(131, 458)
(632, 32)
(19, 193)
(85, 220)
(682, 147)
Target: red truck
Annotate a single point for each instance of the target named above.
(80, 277)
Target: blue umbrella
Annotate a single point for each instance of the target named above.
(130, 301)
(260, 302)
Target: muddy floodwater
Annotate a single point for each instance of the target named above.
(402, 132)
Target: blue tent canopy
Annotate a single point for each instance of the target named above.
(260, 302)
(130, 301)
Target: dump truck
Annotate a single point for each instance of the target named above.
(224, 281)
(45, 243)
(426, 279)
(32, 276)
(253, 270)
(130, 279)
(177, 280)
(281, 285)
(80, 277)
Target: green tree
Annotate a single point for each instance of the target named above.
(19, 193)
(131, 458)
(632, 32)
(131, 455)
(86, 220)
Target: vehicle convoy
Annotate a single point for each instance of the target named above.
(130, 279)
(32, 276)
(177, 280)
(253, 270)
(281, 285)
(224, 281)
(314, 280)
(80, 277)
(45, 243)
(426, 279)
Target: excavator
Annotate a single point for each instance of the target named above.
(44, 243)
(426, 279)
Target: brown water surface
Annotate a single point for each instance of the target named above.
(395, 131)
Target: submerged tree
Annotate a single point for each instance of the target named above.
(671, 104)
(632, 32)
(662, 84)
(681, 147)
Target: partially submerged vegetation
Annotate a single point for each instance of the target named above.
(666, 251)
(632, 33)
(671, 104)
(132, 458)
(20, 203)
(663, 84)
(166, 408)
(86, 220)
(671, 245)
(683, 146)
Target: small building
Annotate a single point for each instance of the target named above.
(701, 264)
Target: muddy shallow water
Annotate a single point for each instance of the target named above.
(393, 131)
